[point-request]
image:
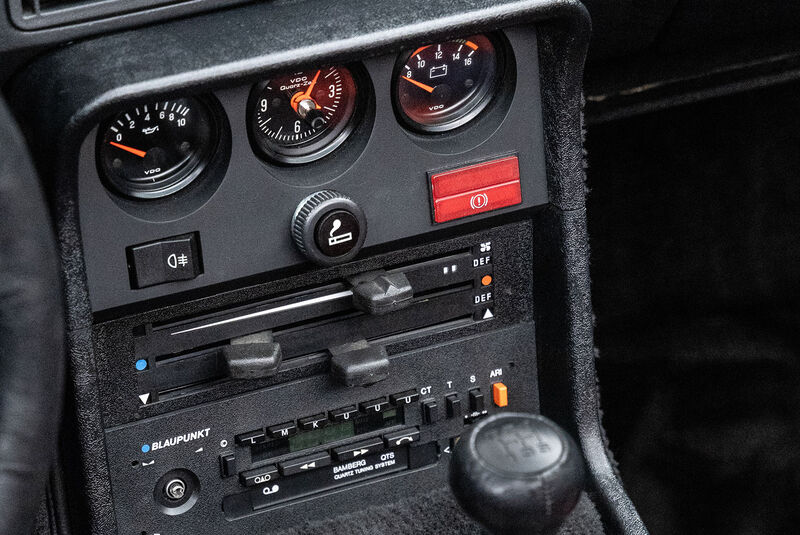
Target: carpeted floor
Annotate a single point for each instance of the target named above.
(436, 513)
(694, 217)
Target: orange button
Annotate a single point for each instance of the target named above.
(500, 394)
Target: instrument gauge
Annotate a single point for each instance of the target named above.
(301, 116)
(441, 86)
(157, 148)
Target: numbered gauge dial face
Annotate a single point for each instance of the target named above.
(441, 86)
(302, 116)
(158, 148)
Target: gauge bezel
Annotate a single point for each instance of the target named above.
(319, 147)
(489, 93)
(176, 181)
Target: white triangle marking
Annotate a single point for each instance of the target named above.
(488, 314)
(145, 398)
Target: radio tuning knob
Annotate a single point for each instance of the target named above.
(329, 228)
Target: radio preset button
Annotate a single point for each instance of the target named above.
(310, 423)
(259, 476)
(404, 398)
(343, 414)
(401, 438)
(375, 405)
(251, 438)
(284, 430)
(305, 464)
(358, 450)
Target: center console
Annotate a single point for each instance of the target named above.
(298, 276)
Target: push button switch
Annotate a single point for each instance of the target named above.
(282, 430)
(343, 414)
(476, 402)
(399, 438)
(430, 411)
(374, 405)
(313, 422)
(354, 451)
(167, 260)
(227, 464)
(259, 476)
(500, 394)
(453, 405)
(404, 398)
(251, 438)
(305, 464)
(475, 189)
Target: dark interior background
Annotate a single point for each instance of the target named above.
(694, 218)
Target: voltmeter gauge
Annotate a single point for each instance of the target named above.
(157, 148)
(301, 116)
(441, 86)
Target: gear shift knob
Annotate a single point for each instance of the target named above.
(517, 473)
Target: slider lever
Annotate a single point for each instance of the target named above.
(378, 292)
(253, 357)
(359, 363)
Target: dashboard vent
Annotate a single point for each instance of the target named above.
(39, 14)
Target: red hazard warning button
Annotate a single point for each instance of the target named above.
(475, 189)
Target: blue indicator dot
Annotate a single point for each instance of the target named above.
(145, 448)
(141, 364)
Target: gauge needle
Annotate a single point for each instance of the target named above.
(307, 94)
(137, 152)
(427, 88)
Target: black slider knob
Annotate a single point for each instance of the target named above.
(517, 473)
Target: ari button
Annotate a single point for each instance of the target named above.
(500, 394)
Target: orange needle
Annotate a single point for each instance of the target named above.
(427, 88)
(313, 83)
(137, 152)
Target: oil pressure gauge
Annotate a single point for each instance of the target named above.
(441, 86)
(157, 148)
(298, 117)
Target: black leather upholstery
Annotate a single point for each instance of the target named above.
(31, 335)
